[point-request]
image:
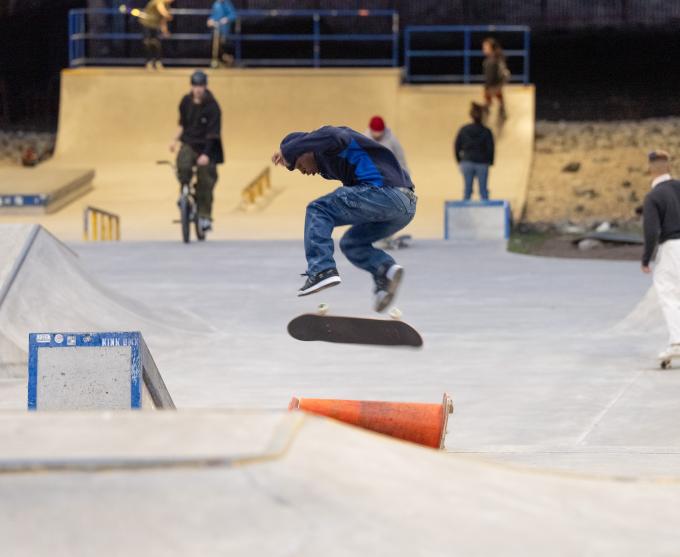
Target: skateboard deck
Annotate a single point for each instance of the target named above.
(354, 330)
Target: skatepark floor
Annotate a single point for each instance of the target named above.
(563, 422)
(527, 346)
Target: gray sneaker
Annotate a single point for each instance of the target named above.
(386, 286)
(205, 223)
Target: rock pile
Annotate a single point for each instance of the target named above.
(14, 144)
(585, 172)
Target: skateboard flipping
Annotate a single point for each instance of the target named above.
(376, 198)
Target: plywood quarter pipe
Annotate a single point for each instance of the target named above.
(121, 121)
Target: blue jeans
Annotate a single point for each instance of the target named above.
(375, 213)
(470, 170)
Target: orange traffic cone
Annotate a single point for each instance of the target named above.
(417, 422)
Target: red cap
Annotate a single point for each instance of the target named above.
(377, 124)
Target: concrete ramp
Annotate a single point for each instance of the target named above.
(265, 483)
(44, 288)
(646, 316)
(429, 117)
(121, 121)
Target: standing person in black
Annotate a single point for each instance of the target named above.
(661, 214)
(199, 134)
(474, 152)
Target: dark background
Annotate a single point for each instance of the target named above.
(595, 59)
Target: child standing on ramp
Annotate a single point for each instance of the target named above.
(376, 197)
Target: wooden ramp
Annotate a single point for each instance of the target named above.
(43, 189)
(121, 121)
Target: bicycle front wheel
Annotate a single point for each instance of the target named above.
(185, 216)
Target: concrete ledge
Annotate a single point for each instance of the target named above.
(477, 220)
(87, 371)
(40, 190)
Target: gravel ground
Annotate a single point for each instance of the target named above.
(588, 171)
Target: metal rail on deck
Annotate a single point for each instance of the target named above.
(99, 225)
(472, 37)
(80, 37)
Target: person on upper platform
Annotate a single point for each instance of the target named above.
(378, 131)
(376, 197)
(222, 17)
(496, 74)
(154, 20)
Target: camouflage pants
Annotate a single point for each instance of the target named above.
(206, 178)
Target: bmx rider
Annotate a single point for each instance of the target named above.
(198, 143)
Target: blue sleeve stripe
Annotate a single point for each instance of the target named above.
(365, 170)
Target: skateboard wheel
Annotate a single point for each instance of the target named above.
(322, 309)
(665, 364)
(395, 313)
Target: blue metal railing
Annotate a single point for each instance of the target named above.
(79, 36)
(468, 53)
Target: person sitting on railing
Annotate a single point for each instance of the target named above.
(496, 74)
(474, 152)
(221, 19)
(199, 134)
(378, 131)
(154, 19)
(377, 198)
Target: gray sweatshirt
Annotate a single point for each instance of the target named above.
(390, 141)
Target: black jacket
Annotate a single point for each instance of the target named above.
(661, 213)
(474, 143)
(202, 126)
(494, 68)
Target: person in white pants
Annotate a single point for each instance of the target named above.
(661, 213)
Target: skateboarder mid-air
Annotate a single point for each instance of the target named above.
(376, 197)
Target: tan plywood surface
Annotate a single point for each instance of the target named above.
(121, 121)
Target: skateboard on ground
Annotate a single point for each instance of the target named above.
(396, 242)
(354, 330)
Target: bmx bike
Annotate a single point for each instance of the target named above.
(188, 207)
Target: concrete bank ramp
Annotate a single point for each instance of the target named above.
(280, 484)
(645, 317)
(43, 288)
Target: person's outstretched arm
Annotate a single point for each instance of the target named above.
(175, 140)
(164, 11)
(215, 15)
(490, 147)
(213, 131)
(229, 10)
(399, 152)
(457, 146)
(652, 228)
(180, 129)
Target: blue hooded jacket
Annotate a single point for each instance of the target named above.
(220, 10)
(346, 155)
